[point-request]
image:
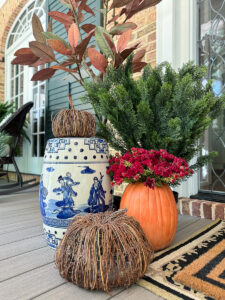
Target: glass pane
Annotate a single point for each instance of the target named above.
(12, 71)
(42, 120)
(35, 98)
(17, 102)
(21, 100)
(34, 146)
(41, 145)
(212, 55)
(17, 69)
(21, 83)
(12, 88)
(35, 122)
(42, 95)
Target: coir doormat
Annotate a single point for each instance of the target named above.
(191, 269)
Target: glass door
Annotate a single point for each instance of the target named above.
(212, 55)
(19, 89)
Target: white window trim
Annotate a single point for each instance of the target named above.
(176, 42)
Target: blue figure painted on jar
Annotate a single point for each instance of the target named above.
(97, 196)
(43, 196)
(66, 190)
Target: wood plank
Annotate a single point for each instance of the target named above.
(136, 292)
(18, 212)
(18, 198)
(184, 221)
(20, 225)
(70, 291)
(190, 229)
(20, 264)
(20, 247)
(14, 236)
(30, 284)
(18, 219)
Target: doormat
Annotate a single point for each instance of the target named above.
(192, 269)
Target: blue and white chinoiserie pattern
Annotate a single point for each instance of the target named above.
(73, 181)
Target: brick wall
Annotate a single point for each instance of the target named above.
(8, 13)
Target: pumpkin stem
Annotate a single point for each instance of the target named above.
(71, 102)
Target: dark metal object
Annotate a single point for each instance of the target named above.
(13, 127)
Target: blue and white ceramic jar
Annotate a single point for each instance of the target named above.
(73, 181)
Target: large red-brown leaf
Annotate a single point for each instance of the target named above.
(25, 59)
(125, 53)
(67, 26)
(81, 48)
(88, 27)
(139, 55)
(58, 46)
(73, 35)
(80, 17)
(89, 10)
(37, 29)
(82, 5)
(97, 60)
(43, 74)
(140, 6)
(121, 28)
(138, 66)
(124, 40)
(23, 51)
(43, 51)
(118, 60)
(61, 17)
(49, 26)
(38, 63)
(110, 42)
(60, 67)
(120, 3)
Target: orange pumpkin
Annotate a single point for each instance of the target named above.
(155, 210)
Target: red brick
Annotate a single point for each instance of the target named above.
(152, 37)
(219, 211)
(196, 205)
(207, 210)
(185, 206)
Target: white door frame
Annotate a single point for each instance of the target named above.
(177, 43)
(26, 163)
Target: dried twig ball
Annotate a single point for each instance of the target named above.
(104, 251)
(73, 123)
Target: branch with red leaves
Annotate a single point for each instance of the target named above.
(79, 57)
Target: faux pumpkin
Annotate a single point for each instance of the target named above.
(155, 210)
(73, 123)
(104, 251)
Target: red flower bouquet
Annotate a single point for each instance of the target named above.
(154, 168)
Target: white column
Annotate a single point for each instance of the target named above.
(176, 42)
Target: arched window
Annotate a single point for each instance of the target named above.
(19, 88)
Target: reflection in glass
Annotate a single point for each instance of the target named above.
(34, 146)
(41, 145)
(12, 88)
(21, 83)
(35, 98)
(35, 122)
(42, 120)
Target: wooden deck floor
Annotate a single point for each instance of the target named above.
(27, 269)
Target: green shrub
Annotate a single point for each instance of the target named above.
(164, 109)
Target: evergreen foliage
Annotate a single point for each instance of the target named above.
(164, 109)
